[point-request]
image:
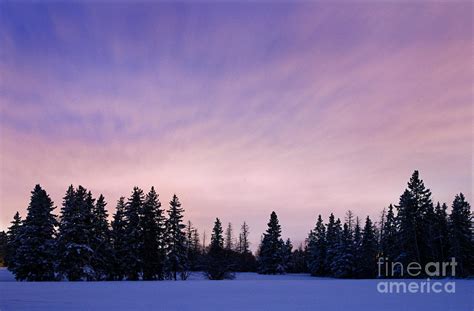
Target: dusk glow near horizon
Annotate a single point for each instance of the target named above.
(239, 108)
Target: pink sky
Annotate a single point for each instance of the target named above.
(239, 109)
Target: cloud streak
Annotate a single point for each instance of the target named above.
(237, 108)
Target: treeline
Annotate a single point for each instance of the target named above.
(145, 241)
(414, 231)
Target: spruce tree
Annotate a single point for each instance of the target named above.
(333, 238)
(357, 247)
(389, 234)
(422, 212)
(244, 244)
(217, 238)
(152, 224)
(298, 260)
(407, 238)
(460, 234)
(287, 252)
(101, 241)
(368, 250)
(350, 221)
(441, 233)
(13, 240)
(195, 241)
(247, 261)
(317, 249)
(177, 261)
(229, 237)
(134, 235)
(428, 226)
(379, 232)
(218, 265)
(270, 259)
(74, 249)
(34, 257)
(193, 246)
(119, 244)
(343, 263)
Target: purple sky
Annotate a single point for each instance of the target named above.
(240, 109)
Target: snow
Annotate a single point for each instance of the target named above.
(249, 291)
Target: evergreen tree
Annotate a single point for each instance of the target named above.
(298, 261)
(247, 261)
(177, 261)
(389, 234)
(13, 240)
(420, 198)
(357, 250)
(333, 239)
(195, 241)
(217, 239)
(369, 250)
(460, 234)
(244, 244)
(89, 219)
(350, 221)
(287, 251)
(380, 232)
(317, 249)
(270, 259)
(134, 235)
(407, 239)
(428, 239)
(34, 257)
(101, 241)
(153, 237)
(193, 247)
(441, 233)
(74, 249)
(229, 237)
(218, 267)
(343, 263)
(119, 243)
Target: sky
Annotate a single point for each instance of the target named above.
(240, 108)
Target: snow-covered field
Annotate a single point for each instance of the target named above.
(248, 291)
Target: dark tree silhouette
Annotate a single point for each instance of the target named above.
(177, 260)
(74, 240)
(13, 241)
(343, 263)
(193, 245)
(134, 235)
(461, 236)
(246, 260)
(229, 237)
(35, 256)
(152, 224)
(317, 249)
(270, 259)
(389, 235)
(368, 250)
(119, 243)
(101, 241)
(441, 233)
(218, 261)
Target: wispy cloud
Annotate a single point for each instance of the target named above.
(240, 109)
